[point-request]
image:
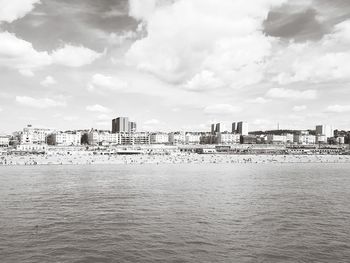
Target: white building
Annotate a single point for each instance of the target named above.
(65, 138)
(326, 130)
(321, 139)
(103, 137)
(304, 139)
(31, 135)
(289, 137)
(228, 138)
(177, 138)
(192, 138)
(136, 138)
(33, 148)
(242, 128)
(159, 138)
(4, 141)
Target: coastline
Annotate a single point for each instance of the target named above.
(32, 160)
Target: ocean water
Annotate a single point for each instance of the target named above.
(175, 213)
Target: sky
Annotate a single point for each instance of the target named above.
(174, 65)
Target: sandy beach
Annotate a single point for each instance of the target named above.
(167, 159)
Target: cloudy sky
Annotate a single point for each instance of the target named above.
(174, 64)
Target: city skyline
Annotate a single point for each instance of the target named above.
(72, 65)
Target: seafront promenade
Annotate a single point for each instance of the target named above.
(179, 158)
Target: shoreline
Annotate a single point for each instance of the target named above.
(45, 160)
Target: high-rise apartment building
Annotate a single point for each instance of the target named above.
(218, 127)
(120, 124)
(242, 128)
(234, 128)
(132, 126)
(326, 130)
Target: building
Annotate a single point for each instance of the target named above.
(134, 138)
(4, 141)
(248, 139)
(304, 138)
(120, 124)
(242, 128)
(132, 126)
(227, 138)
(276, 139)
(177, 138)
(234, 128)
(31, 135)
(289, 137)
(218, 127)
(102, 137)
(159, 138)
(64, 139)
(32, 148)
(213, 129)
(208, 139)
(321, 139)
(192, 138)
(326, 130)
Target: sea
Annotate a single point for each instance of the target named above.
(175, 213)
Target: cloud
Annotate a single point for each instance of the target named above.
(299, 108)
(283, 93)
(219, 109)
(26, 72)
(39, 103)
(19, 54)
(204, 81)
(100, 82)
(48, 81)
(74, 56)
(259, 100)
(98, 108)
(11, 10)
(338, 108)
(315, 61)
(151, 122)
(16, 53)
(202, 44)
(141, 9)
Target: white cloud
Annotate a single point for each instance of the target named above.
(74, 56)
(315, 62)
(283, 93)
(338, 108)
(141, 9)
(11, 10)
(19, 54)
(39, 103)
(100, 82)
(98, 108)
(299, 108)
(26, 72)
(48, 81)
(219, 109)
(189, 37)
(203, 81)
(151, 122)
(258, 100)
